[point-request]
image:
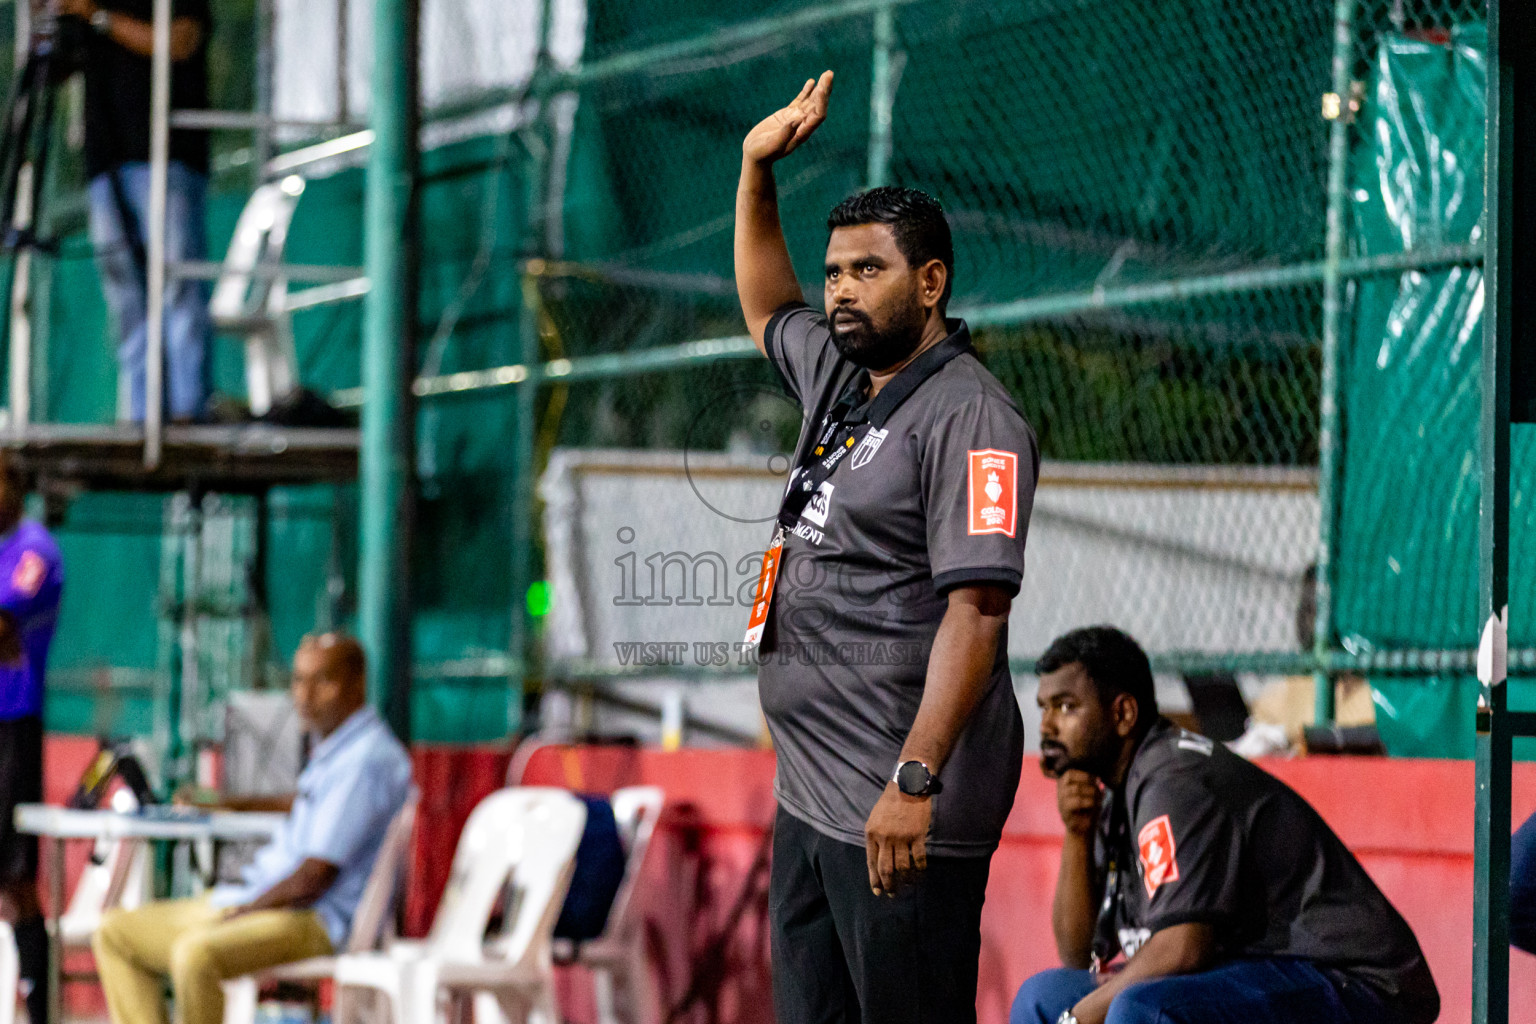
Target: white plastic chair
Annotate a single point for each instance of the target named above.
(616, 958)
(526, 837)
(116, 876)
(372, 925)
(10, 974)
(249, 299)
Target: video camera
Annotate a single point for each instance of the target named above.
(62, 39)
(56, 49)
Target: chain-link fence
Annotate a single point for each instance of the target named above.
(1141, 200)
(1180, 242)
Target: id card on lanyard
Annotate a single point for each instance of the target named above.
(840, 431)
(803, 483)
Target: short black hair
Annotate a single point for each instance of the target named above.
(916, 219)
(1113, 660)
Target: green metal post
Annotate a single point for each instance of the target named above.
(525, 422)
(386, 471)
(1328, 440)
(882, 98)
(1495, 730)
(524, 458)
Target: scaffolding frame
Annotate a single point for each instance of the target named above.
(190, 461)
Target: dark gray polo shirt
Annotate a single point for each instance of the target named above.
(1200, 834)
(937, 495)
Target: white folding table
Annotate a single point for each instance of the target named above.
(56, 825)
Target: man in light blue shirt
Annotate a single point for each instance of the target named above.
(297, 898)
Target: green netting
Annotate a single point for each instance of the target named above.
(1408, 552)
(1081, 151)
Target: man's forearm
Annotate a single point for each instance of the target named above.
(299, 890)
(1182, 949)
(1073, 911)
(138, 36)
(765, 277)
(256, 804)
(959, 669)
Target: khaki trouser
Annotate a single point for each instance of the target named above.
(191, 943)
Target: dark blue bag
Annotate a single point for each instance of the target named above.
(598, 875)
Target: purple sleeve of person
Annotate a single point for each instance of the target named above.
(31, 574)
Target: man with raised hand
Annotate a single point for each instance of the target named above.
(883, 640)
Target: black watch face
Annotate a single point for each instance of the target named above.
(912, 778)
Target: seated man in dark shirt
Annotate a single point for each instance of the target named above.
(1228, 895)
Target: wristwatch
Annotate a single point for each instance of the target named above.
(101, 20)
(1066, 1018)
(914, 779)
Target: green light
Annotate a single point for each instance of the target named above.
(539, 598)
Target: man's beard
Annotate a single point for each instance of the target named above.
(1054, 759)
(880, 348)
(1098, 761)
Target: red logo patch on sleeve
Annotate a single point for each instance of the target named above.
(27, 578)
(994, 489)
(1159, 860)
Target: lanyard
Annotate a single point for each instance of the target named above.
(840, 431)
(806, 480)
(838, 425)
(1105, 929)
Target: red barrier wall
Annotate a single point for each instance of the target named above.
(704, 891)
(1410, 822)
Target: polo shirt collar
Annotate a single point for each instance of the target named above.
(908, 380)
(357, 722)
(1147, 759)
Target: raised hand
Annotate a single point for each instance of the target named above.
(780, 133)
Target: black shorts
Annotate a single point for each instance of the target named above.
(21, 782)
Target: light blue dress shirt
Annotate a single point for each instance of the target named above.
(356, 781)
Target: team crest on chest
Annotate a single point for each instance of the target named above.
(867, 448)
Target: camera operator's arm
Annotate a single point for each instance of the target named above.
(135, 35)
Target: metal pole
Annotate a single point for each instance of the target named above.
(525, 423)
(55, 924)
(159, 157)
(524, 457)
(707, 350)
(266, 64)
(387, 466)
(1495, 730)
(882, 98)
(23, 34)
(189, 687)
(1328, 440)
(343, 62)
(21, 304)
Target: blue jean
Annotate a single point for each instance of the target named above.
(1276, 991)
(188, 328)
